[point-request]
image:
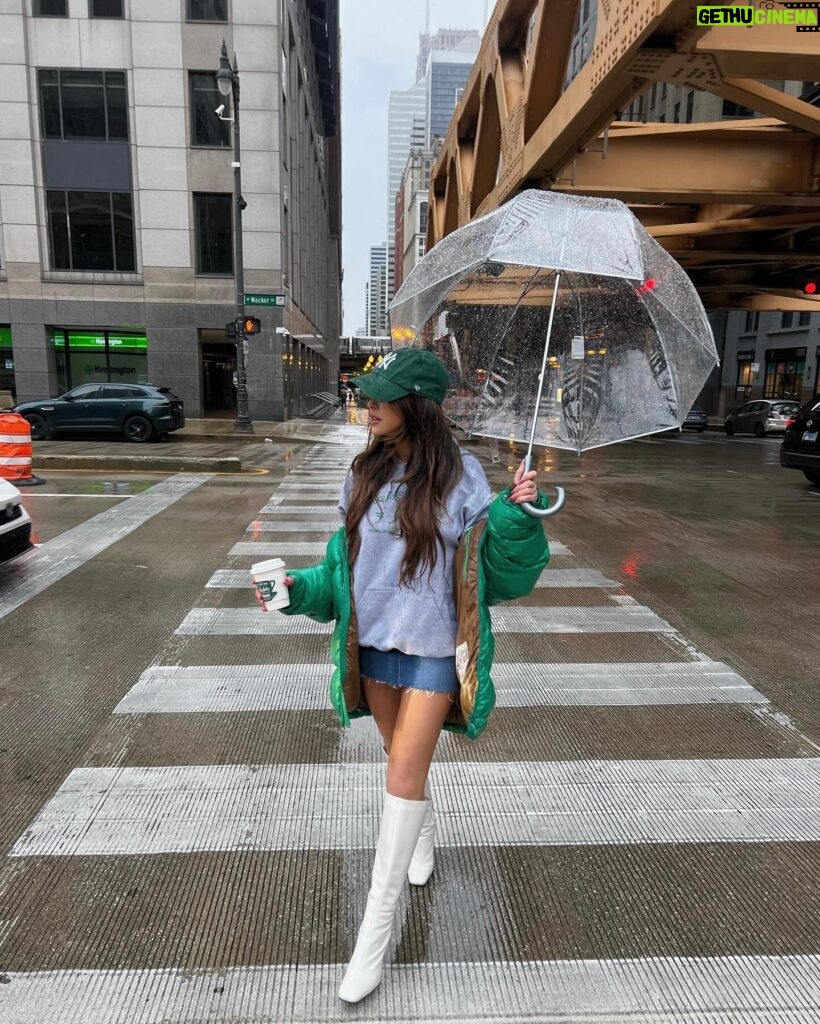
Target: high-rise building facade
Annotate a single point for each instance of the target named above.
(412, 202)
(116, 198)
(406, 129)
(447, 75)
(444, 39)
(409, 114)
(377, 291)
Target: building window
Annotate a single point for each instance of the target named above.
(50, 8)
(105, 9)
(664, 87)
(734, 110)
(214, 248)
(690, 105)
(207, 10)
(786, 321)
(752, 323)
(83, 104)
(785, 369)
(817, 370)
(90, 230)
(85, 356)
(676, 114)
(804, 319)
(207, 128)
(745, 377)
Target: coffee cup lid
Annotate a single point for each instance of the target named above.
(271, 565)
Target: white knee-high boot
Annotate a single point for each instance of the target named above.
(401, 823)
(421, 866)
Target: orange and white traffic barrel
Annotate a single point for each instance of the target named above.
(16, 451)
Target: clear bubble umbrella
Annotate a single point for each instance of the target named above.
(562, 323)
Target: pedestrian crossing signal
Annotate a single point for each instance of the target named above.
(251, 325)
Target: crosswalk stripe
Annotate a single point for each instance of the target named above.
(300, 486)
(315, 525)
(126, 811)
(197, 689)
(549, 579)
(647, 990)
(276, 508)
(272, 550)
(595, 619)
(263, 550)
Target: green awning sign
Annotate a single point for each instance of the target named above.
(97, 341)
(257, 299)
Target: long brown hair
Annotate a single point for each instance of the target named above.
(433, 469)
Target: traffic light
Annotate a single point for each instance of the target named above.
(810, 288)
(252, 325)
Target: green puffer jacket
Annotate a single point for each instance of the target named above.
(499, 559)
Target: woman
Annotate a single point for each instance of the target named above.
(422, 554)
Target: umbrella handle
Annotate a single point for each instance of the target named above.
(542, 513)
(545, 513)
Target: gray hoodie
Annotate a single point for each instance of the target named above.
(421, 619)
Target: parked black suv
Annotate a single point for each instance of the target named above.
(140, 411)
(801, 448)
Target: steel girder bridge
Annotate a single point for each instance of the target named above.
(737, 203)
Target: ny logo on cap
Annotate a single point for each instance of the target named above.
(387, 360)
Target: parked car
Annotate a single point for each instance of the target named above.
(15, 524)
(801, 445)
(695, 420)
(767, 416)
(140, 411)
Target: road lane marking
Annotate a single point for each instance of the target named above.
(129, 811)
(315, 525)
(197, 689)
(237, 579)
(252, 621)
(50, 562)
(273, 550)
(687, 990)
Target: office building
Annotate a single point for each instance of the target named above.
(116, 198)
(377, 291)
(447, 74)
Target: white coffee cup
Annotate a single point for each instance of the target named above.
(269, 580)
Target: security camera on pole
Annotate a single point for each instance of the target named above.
(227, 79)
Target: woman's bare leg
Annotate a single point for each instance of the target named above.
(413, 741)
(384, 701)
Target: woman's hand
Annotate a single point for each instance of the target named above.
(524, 487)
(289, 581)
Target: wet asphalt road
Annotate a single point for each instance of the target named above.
(162, 753)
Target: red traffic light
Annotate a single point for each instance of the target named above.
(810, 288)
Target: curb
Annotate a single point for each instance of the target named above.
(170, 464)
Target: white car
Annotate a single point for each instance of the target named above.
(15, 524)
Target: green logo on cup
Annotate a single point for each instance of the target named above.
(267, 588)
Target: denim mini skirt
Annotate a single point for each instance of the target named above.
(408, 671)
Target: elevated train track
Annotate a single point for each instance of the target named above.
(736, 202)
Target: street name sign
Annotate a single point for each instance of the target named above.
(256, 299)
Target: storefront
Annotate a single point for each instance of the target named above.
(7, 391)
(746, 370)
(785, 370)
(88, 357)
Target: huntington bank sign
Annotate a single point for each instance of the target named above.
(804, 16)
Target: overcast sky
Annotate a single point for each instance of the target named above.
(379, 49)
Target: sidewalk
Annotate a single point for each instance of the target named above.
(202, 446)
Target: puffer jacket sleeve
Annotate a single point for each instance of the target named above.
(312, 591)
(515, 549)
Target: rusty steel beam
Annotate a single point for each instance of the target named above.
(697, 163)
(517, 127)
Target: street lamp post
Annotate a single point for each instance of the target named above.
(227, 79)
